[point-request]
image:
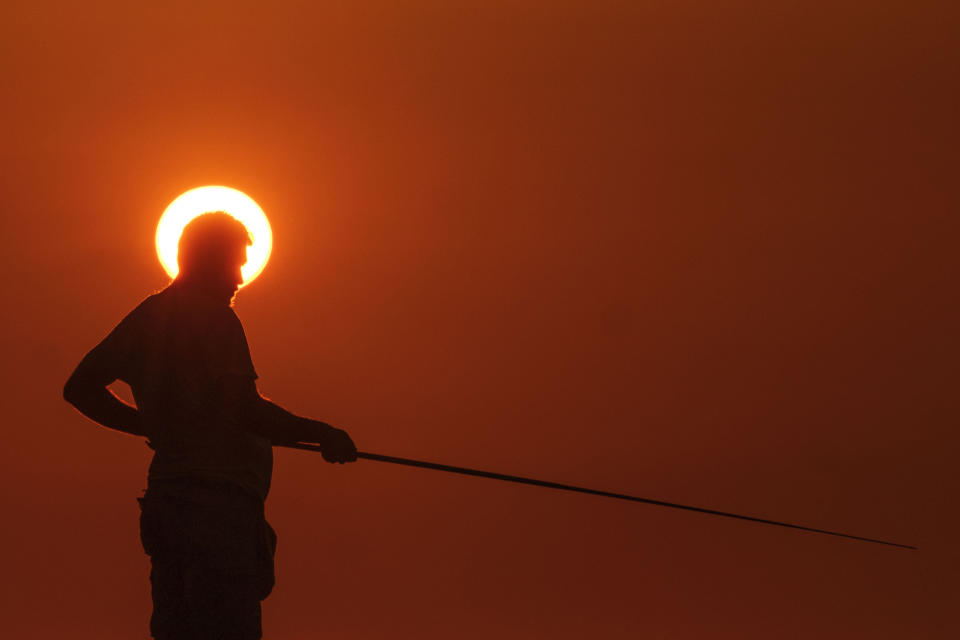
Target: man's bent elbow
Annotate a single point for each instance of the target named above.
(70, 391)
(74, 390)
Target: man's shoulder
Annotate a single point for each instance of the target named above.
(149, 306)
(174, 300)
(142, 309)
(169, 309)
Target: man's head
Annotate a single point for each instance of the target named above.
(212, 248)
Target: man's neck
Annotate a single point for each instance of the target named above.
(201, 288)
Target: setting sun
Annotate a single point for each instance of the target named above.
(202, 200)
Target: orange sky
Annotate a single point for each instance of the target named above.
(697, 251)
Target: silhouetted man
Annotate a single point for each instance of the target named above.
(184, 354)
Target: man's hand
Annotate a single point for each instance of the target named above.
(335, 444)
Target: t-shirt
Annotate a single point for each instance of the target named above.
(172, 350)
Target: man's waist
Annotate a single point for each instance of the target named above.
(196, 483)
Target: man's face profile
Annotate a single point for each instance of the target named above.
(237, 258)
(222, 277)
(213, 251)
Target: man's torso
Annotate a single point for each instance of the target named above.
(172, 350)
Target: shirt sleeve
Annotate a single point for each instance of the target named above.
(227, 351)
(112, 358)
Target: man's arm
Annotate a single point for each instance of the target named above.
(87, 390)
(240, 399)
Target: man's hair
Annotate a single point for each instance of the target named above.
(208, 238)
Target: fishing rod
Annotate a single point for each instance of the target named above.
(596, 492)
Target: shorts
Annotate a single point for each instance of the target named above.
(211, 552)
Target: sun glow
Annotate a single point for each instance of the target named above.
(202, 200)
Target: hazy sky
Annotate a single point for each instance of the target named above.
(698, 251)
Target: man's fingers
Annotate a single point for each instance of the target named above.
(348, 450)
(338, 456)
(339, 448)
